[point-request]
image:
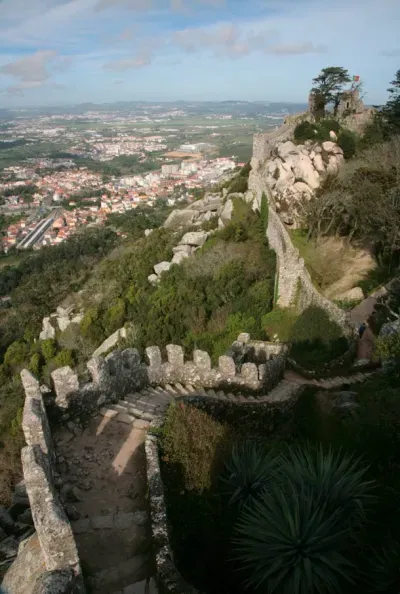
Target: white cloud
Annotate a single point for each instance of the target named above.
(129, 63)
(224, 40)
(131, 4)
(290, 49)
(31, 69)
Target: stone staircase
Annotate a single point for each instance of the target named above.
(140, 408)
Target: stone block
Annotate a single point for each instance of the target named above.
(138, 588)
(162, 267)
(226, 366)
(202, 360)
(66, 385)
(175, 355)
(243, 337)
(139, 424)
(249, 373)
(183, 249)
(195, 238)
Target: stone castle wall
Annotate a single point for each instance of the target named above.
(294, 285)
(264, 143)
(50, 520)
(124, 372)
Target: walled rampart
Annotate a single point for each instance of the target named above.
(294, 285)
(51, 523)
(123, 372)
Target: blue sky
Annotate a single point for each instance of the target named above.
(69, 51)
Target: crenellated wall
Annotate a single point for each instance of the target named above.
(123, 372)
(52, 526)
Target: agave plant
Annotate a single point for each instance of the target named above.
(247, 473)
(336, 479)
(383, 572)
(287, 545)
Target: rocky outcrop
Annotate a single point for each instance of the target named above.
(294, 172)
(110, 342)
(196, 213)
(188, 244)
(59, 320)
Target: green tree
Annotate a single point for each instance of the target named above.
(329, 86)
(391, 111)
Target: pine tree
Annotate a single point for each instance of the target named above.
(391, 110)
(264, 211)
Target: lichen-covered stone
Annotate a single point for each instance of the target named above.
(202, 360)
(226, 366)
(175, 355)
(66, 385)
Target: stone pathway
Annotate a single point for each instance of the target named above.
(103, 477)
(104, 490)
(366, 346)
(328, 383)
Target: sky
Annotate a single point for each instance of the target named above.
(56, 52)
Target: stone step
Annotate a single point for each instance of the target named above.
(221, 395)
(201, 391)
(181, 390)
(211, 393)
(119, 577)
(132, 398)
(171, 390)
(189, 388)
(130, 408)
(109, 413)
(231, 397)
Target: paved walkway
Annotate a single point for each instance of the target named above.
(104, 487)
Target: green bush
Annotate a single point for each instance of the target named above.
(388, 347)
(348, 143)
(316, 339)
(238, 184)
(49, 348)
(330, 124)
(305, 131)
(64, 358)
(195, 444)
(279, 322)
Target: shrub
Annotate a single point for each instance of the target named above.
(348, 143)
(196, 444)
(330, 124)
(316, 339)
(305, 131)
(49, 348)
(238, 184)
(64, 358)
(388, 347)
(279, 322)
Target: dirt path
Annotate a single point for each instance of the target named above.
(103, 470)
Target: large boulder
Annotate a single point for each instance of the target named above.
(287, 148)
(226, 213)
(181, 218)
(195, 238)
(162, 267)
(183, 249)
(303, 170)
(354, 294)
(48, 330)
(179, 257)
(66, 385)
(318, 163)
(110, 342)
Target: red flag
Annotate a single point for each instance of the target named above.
(356, 78)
